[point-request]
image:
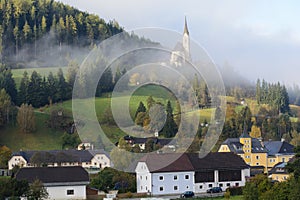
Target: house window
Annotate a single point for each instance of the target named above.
(161, 188)
(175, 187)
(228, 184)
(187, 187)
(175, 177)
(146, 177)
(257, 164)
(70, 192)
(187, 177)
(237, 184)
(257, 157)
(221, 185)
(161, 178)
(200, 187)
(141, 187)
(210, 185)
(283, 159)
(141, 177)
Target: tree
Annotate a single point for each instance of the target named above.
(23, 89)
(36, 94)
(73, 68)
(110, 178)
(26, 118)
(141, 108)
(255, 132)
(7, 82)
(51, 88)
(37, 191)
(5, 105)
(157, 116)
(108, 117)
(61, 86)
(170, 129)
(106, 82)
(150, 102)
(294, 167)
(5, 155)
(140, 118)
(26, 31)
(70, 140)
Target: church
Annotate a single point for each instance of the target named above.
(181, 52)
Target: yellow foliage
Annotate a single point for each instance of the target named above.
(255, 132)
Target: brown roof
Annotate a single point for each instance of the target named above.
(175, 162)
(53, 174)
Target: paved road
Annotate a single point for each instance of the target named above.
(178, 196)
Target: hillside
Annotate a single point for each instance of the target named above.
(43, 32)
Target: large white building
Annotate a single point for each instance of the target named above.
(171, 173)
(60, 182)
(96, 159)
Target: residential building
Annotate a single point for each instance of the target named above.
(60, 182)
(96, 159)
(279, 172)
(141, 142)
(279, 151)
(256, 153)
(174, 173)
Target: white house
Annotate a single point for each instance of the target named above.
(60, 182)
(96, 159)
(171, 173)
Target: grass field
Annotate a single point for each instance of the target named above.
(42, 139)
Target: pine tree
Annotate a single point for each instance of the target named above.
(23, 89)
(141, 108)
(170, 129)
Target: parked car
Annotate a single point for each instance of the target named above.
(187, 194)
(214, 190)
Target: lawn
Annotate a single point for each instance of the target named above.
(42, 139)
(45, 138)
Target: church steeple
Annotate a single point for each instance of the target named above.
(186, 41)
(186, 30)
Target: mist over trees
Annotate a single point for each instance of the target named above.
(41, 27)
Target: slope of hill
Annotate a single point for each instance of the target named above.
(39, 32)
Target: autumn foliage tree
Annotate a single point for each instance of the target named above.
(26, 118)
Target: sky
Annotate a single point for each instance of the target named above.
(258, 38)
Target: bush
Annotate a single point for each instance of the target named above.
(227, 194)
(234, 191)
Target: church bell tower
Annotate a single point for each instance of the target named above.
(186, 41)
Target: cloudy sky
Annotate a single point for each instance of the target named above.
(258, 38)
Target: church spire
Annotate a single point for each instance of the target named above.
(185, 27)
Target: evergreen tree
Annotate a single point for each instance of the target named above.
(141, 108)
(106, 82)
(23, 89)
(8, 83)
(170, 129)
(61, 86)
(51, 88)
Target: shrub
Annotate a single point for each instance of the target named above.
(234, 191)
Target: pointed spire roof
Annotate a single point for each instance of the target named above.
(185, 27)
